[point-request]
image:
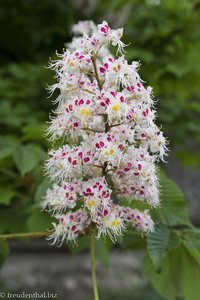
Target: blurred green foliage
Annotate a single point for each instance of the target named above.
(165, 37)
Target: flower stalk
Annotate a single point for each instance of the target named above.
(93, 273)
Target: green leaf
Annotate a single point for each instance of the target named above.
(190, 275)
(39, 221)
(132, 239)
(6, 152)
(6, 195)
(136, 204)
(11, 224)
(6, 148)
(27, 158)
(173, 209)
(41, 190)
(4, 251)
(177, 69)
(101, 252)
(167, 281)
(160, 242)
(33, 132)
(179, 276)
(82, 244)
(191, 238)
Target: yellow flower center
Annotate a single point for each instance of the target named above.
(108, 152)
(111, 151)
(117, 68)
(91, 203)
(85, 112)
(70, 63)
(115, 107)
(115, 222)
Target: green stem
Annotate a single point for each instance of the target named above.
(92, 256)
(22, 235)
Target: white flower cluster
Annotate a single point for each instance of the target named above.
(107, 116)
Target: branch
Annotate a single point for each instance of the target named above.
(118, 124)
(96, 72)
(23, 235)
(88, 91)
(98, 166)
(90, 129)
(104, 172)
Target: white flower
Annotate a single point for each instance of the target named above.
(69, 227)
(61, 197)
(82, 27)
(107, 115)
(110, 222)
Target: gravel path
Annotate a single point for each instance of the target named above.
(69, 276)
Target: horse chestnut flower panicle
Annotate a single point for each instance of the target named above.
(108, 117)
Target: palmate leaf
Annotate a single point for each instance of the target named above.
(191, 238)
(173, 209)
(160, 242)
(167, 281)
(173, 256)
(190, 275)
(179, 276)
